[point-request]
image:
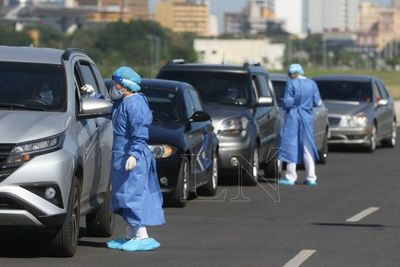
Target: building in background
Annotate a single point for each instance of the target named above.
(328, 15)
(213, 26)
(183, 16)
(257, 17)
(294, 14)
(239, 51)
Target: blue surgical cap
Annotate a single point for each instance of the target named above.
(128, 78)
(295, 69)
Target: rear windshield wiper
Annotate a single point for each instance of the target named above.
(20, 106)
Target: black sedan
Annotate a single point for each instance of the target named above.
(360, 110)
(182, 139)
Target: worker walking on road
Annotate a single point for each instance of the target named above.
(297, 138)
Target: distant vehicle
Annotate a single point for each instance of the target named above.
(244, 111)
(320, 117)
(360, 110)
(182, 139)
(55, 147)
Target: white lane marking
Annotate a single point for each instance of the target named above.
(362, 214)
(300, 258)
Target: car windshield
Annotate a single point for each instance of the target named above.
(215, 87)
(345, 90)
(164, 105)
(279, 88)
(30, 86)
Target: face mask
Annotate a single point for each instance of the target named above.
(46, 97)
(115, 93)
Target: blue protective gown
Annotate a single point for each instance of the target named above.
(301, 95)
(136, 194)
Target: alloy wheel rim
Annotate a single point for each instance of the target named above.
(75, 216)
(215, 172)
(185, 186)
(394, 133)
(373, 138)
(255, 164)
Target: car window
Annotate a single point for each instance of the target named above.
(382, 89)
(195, 98)
(33, 86)
(102, 86)
(358, 91)
(264, 90)
(215, 87)
(377, 93)
(279, 88)
(88, 76)
(164, 105)
(190, 106)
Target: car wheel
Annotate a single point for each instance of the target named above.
(273, 167)
(64, 240)
(391, 142)
(372, 140)
(250, 176)
(323, 153)
(100, 222)
(210, 189)
(179, 196)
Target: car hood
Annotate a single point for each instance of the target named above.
(167, 133)
(220, 112)
(346, 107)
(23, 126)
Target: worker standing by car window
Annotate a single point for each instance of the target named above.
(297, 138)
(136, 194)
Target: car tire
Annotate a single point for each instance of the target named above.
(250, 175)
(323, 153)
(273, 167)
(391, 141)
(64, 239)
(371, 147)
(210, 189)
(100, 223)
(179, 196)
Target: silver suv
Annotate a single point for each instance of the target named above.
(55, 145)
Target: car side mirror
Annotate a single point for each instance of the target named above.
(264, 101)
(382, 102)
(94, 108)
(199, 116)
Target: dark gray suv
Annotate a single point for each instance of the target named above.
(243, 108)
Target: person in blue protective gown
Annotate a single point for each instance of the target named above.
(296, 136)
(136, 194)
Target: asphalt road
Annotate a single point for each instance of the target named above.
(351, 219)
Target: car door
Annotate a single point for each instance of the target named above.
(386, 109)
(196, 138)
(265, 116)
(89, 134)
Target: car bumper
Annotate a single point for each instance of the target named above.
(235, 151)
(349, 136)
(20, 202)
(168, 172)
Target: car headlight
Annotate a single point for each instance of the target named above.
(25, 151)
(232, 126)
(359, 120)
(162, 151)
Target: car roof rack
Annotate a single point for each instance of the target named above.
(248, 64)
(177, 61)
(67, 53)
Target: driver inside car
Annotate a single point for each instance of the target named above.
(42, 92)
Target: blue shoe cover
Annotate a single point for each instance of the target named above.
(310, 183)
(140, 245)
(285, 181)
(116, 243)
